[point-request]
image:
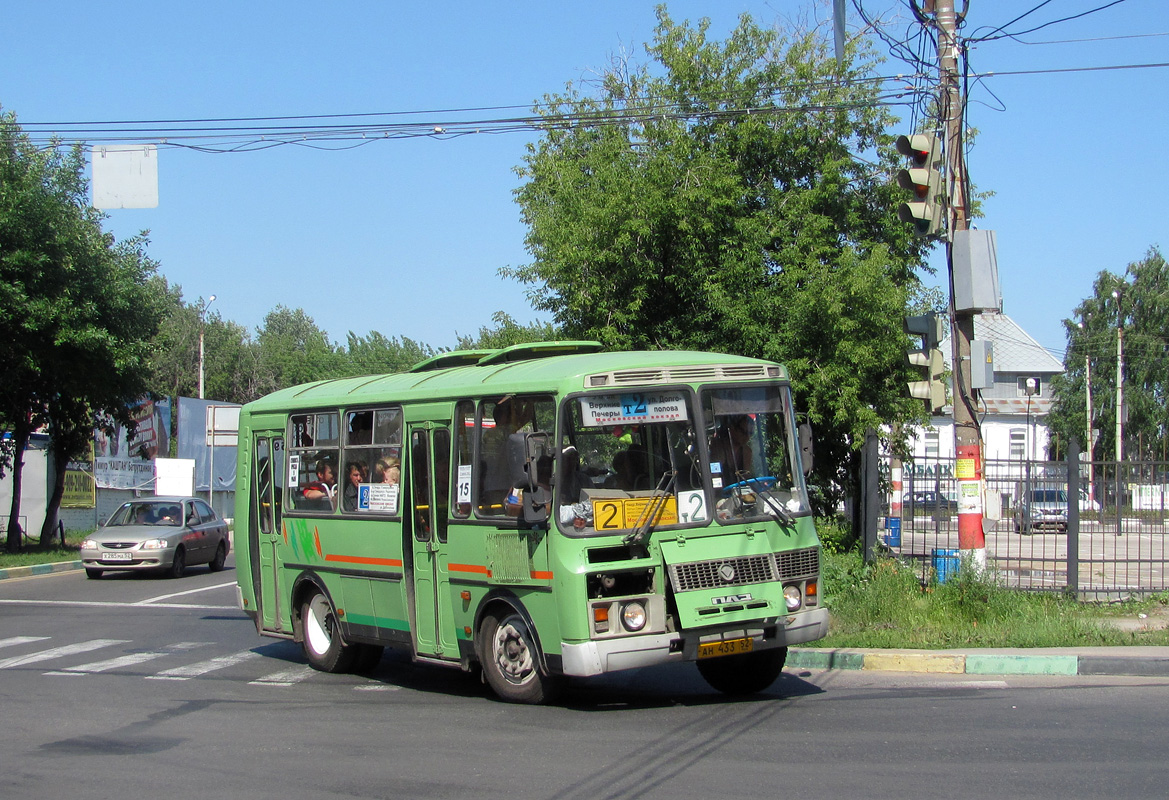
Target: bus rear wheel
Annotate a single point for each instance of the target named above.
(322, 637)
(511, 661)
(747, 673)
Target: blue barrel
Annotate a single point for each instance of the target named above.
(946, 563)
(893, 531)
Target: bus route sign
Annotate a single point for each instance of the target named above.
(630, 409)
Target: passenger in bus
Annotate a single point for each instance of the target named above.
(731, 446)
(355, 475)
(388, 470)
(496, 482)
(318, 495)
(629, 471)
(361, 427)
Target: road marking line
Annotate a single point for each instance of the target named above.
(104, 604)
(203, 667)
(129, 660)
(59, 652)
(285, 677)
(13, 640)
(150, 600)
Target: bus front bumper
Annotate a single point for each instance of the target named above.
(614, 655)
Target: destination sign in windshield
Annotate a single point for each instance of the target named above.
(633, 408)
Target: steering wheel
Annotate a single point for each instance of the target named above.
(761, 484)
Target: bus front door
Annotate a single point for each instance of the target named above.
(429, 482)
(269, 477)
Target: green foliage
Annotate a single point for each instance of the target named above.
(727, 200)
(508, 332)
(836, 536)
(885, 605)
(1143, 310)
(78, 310)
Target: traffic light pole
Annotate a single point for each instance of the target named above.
(967, 433)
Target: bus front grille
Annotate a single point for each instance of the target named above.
(722, 572)
(798, 563)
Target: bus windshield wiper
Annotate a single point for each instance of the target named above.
(662, 492)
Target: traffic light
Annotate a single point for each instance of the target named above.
(932, 390)
(924, 179)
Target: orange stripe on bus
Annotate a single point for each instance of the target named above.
(317, 540)
(541, 576)
(469, 568)
(381, 562)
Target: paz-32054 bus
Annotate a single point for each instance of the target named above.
(539, 511)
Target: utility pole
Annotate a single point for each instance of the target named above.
(967, 433)
(1118, 294)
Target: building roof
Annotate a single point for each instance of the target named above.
(1014, 349)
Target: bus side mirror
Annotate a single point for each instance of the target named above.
(527, 455)
(806, 447)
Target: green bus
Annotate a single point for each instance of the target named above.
(538, 511)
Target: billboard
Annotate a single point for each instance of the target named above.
(127, 462)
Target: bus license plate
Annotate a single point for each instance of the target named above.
(117, 556)
(729, 647)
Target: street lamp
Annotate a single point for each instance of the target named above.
(202, 320)
(1088, 408)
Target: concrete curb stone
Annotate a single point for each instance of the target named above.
(39, 569)
(1137, 661)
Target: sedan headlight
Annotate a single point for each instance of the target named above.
(154, 544)
(89, 544)
(633, 616)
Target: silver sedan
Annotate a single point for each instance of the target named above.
(164, 534)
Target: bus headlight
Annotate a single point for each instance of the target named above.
(633, 616)
(791, 596)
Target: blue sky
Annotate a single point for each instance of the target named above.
(405, 236)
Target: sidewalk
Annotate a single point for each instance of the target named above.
(1140, 661)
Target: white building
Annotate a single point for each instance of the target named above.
(1013, 421)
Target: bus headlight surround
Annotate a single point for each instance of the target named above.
(791, 596)
(633, 616)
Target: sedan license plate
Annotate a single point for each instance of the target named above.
(728, 647)
(117, 556)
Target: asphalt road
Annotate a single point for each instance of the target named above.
(138, 687)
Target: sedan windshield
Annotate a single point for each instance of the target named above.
(147, 513)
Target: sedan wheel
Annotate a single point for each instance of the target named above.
(178, 567)
(220, 557)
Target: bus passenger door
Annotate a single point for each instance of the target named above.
(429, 482)
(266, 489)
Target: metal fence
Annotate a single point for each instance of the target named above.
(1099, 531)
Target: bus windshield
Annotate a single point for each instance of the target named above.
(628, 459)
(754, 466)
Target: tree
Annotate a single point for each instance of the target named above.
(374, 354)
(1138, 300)
(231, 362)
(294, 350)
(508, 332)
(727, 200)
(77, 309)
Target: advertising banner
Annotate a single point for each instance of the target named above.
(127, 462)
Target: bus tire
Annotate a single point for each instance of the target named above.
(511, 660)
(321, 638)
(743, 674)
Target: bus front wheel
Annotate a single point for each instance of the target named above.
(511, 660)
(747, 673)
(322, 639)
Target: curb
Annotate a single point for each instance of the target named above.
(980, 663)
(39, 569)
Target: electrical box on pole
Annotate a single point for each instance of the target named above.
(932, 389)
(924, 178)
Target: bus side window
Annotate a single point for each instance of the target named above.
(464, 431)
